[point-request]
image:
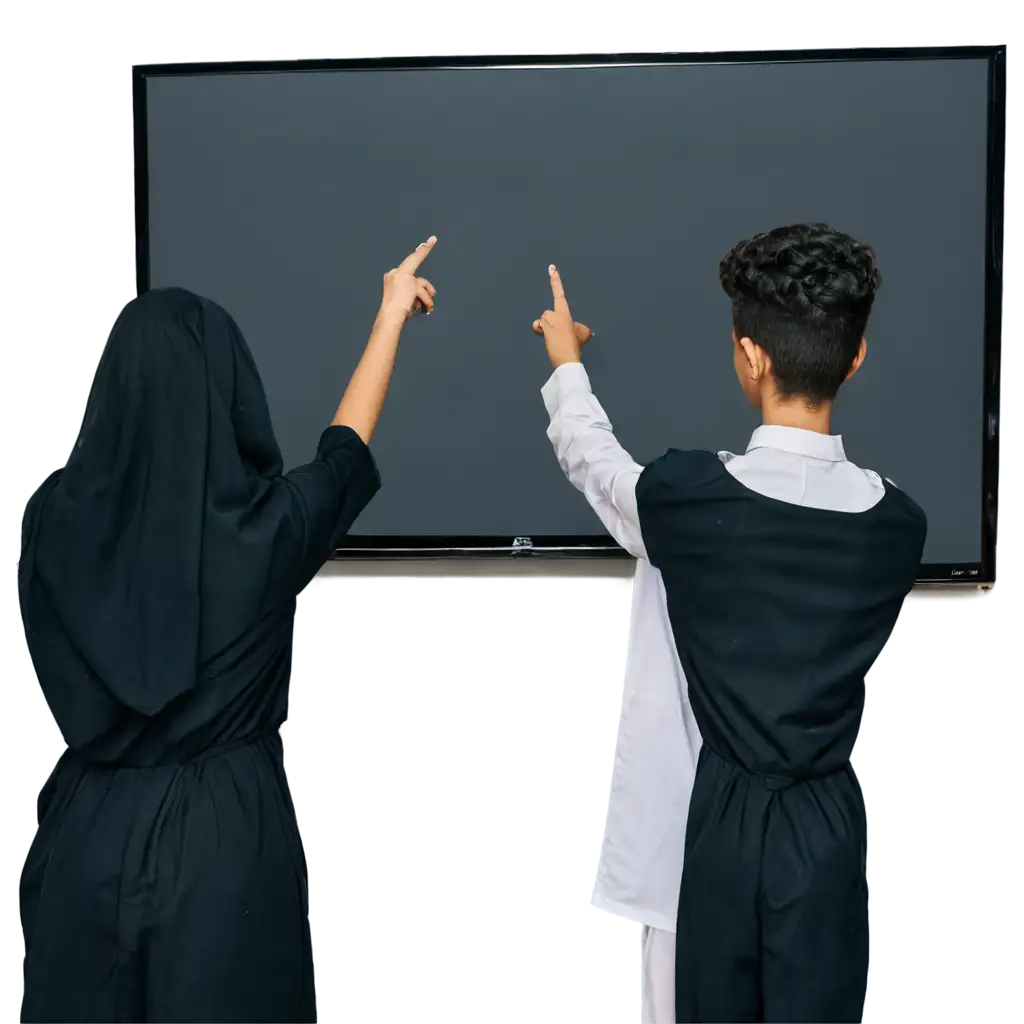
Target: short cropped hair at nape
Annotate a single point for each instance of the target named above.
(804, 294)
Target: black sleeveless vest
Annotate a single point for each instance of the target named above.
(778, 610)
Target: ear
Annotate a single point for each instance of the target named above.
(755, 357)
(859, 358)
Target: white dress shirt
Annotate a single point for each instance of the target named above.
(658, 741)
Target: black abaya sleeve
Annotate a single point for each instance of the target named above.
(323, 500)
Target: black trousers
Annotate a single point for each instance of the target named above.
(168, 894)
(773, 908)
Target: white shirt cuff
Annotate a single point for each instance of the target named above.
(569, 378)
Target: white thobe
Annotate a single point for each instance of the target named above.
(658, 741)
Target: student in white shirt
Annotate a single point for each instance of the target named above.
(774, 580)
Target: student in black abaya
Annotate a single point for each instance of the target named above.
(158, 580)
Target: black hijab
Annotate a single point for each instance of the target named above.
(153, 549)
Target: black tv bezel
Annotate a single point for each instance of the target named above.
(980, 573)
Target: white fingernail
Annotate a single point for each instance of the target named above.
(551, 269)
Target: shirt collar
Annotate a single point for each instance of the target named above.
(809, 443)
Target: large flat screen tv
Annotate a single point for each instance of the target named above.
(284, 191)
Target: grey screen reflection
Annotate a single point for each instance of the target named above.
(286, 196)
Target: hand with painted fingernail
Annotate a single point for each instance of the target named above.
(405, 293)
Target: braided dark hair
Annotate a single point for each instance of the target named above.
(804, 294)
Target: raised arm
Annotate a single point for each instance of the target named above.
(404, 295)
(585, 446)
(316, 504)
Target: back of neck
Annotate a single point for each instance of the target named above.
(795, 412)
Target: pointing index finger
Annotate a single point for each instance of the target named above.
(415, 259)
(558, 290)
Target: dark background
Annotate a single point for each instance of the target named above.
(450, 750)
(286, 196)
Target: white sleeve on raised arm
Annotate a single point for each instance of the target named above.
(594, 462)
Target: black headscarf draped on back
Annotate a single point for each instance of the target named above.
(154, 548)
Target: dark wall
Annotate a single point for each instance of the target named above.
(431, 811)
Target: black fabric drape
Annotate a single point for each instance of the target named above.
(158, 579)
(170, 529)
